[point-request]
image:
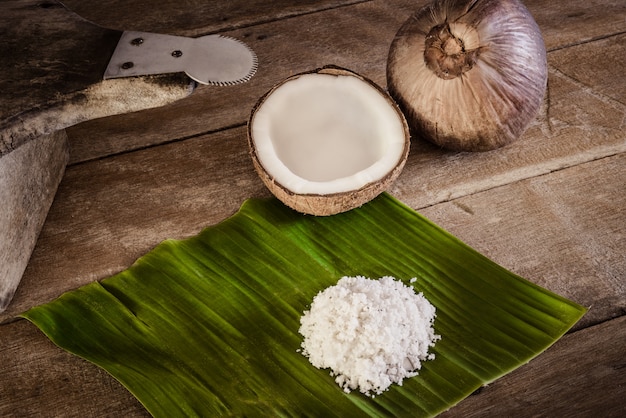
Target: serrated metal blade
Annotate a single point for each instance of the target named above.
(221, 60)
(211, 59)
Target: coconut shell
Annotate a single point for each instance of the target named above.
(328, 204)
(468, 75)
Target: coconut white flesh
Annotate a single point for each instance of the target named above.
(326, 134)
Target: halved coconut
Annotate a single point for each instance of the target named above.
(327, 141)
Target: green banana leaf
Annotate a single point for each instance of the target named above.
(208, 326)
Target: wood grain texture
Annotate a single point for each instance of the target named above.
(565, 24)
(45, 381)
(194, 17)
(563, 231)
(596, 66)
(582, 375)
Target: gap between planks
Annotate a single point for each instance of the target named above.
(585, 41)
(150, 146)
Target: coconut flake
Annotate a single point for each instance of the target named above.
(370, 333)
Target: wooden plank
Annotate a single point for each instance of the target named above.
(563, 231)
(605, 75)
(565, 24)
(580, 375)
(38, 379)
(194, 17)
(356, 37)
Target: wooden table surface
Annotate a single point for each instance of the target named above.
(551, 207)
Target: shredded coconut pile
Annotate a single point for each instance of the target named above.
(370, 333)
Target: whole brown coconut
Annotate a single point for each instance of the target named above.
(327, 141)
(469, 75)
